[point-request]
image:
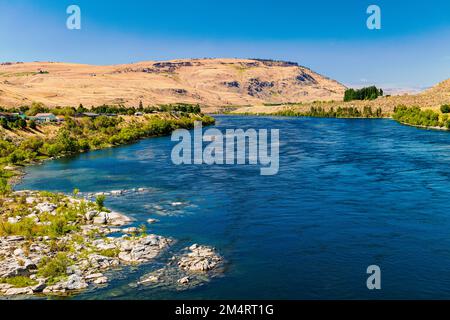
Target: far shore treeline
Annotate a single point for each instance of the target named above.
(37, 107)
(339, 112)
(423, 118)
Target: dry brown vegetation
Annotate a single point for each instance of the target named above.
(209, 82)
(432, 99)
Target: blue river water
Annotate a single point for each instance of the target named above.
(350, 193)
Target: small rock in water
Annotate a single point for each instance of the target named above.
(184, 280)
(94, 276)
(75, 282)
(150, 279)
(101, 280)
(116, 192)
(199, 259)
(130, 230)
(177, 204)
(118, 219)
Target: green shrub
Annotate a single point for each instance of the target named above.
(5, 188)
(59, 227)
(445, 108)
(6, 229)
(110, 253)
(54, 268)
(100, 201)
(19, 282)
(33, 124)
(418, 117)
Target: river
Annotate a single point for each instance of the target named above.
(349, 193)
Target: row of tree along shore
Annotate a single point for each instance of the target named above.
(81, 134)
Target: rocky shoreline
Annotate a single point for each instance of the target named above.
(193, 267)
(54, 244)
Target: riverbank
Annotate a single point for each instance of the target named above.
(409, 116)
(19, 148)
(315, 111)
(54, 244)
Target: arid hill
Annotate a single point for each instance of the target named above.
(209, 82)
(432, 98)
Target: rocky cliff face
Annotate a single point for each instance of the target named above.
(210, 82)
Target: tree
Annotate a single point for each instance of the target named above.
(21, 123)
(5, 188)
(33, 125)
(4, 123)
(445, 108)
(37, 107)
(100, 201)
(67, 143)
(368, 93)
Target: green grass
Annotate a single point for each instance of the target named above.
(110, 253)
(55, 269)
(19, 282)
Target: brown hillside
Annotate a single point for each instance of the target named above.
(432, 98)
(209, 82)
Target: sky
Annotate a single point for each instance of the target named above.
(410, 52)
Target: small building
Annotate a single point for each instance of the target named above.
(44, 117)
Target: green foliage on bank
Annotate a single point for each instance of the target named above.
(417, 117)
(340, 112)
(54, 269)
(368, 93)
(84, 134)
(445, 108)
(19, 281)
(37, 107)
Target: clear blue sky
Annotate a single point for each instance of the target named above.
(412, 49)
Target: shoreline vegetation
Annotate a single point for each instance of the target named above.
(31, 144)
(340, 112)
(55, 244)
(320, 112)
(427, 119)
